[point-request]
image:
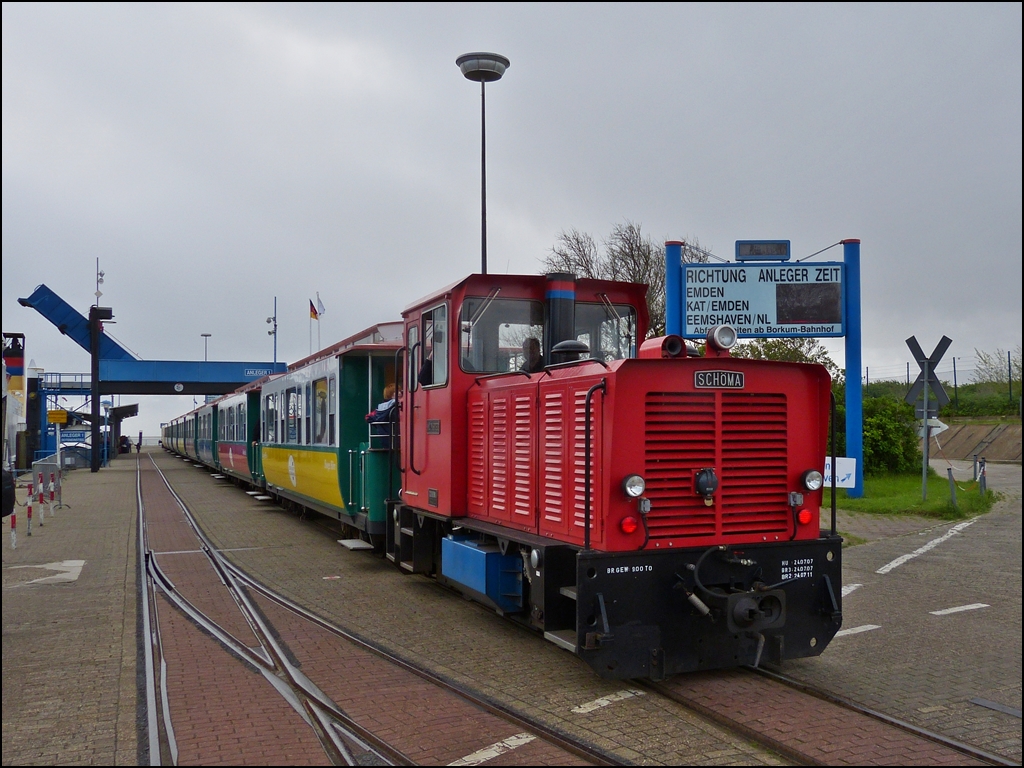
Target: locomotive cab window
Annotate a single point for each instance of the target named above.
(412, 335)
(493, 332)
(433, 368)
(609, 330)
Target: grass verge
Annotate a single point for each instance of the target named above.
(901, 495)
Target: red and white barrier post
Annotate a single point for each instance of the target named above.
(53, 484)
(42, 501)
(14, 530)
(29, 505)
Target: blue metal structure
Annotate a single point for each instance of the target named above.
(854, 397)
(72, 323)
(116, 371)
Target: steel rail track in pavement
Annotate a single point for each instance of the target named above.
(345, 740)
(813, 727)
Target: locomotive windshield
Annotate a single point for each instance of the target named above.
(492, 333)
(608, 329)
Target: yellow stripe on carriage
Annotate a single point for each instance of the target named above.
(311, 473)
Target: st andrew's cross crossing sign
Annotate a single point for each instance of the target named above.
(928, 365)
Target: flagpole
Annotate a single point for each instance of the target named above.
(319, 314)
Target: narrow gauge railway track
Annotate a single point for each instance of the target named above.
(205, 616)
(813, 727)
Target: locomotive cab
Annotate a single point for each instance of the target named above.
(481, 330)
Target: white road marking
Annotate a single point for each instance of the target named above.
(947, 611)
(70, 570)
(850, 587)
(857, 630)
(491, 752)
(604, 701)
(930, 545)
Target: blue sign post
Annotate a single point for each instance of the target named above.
(764, 296)
(854, 397)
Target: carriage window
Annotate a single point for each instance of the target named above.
(270, 418)
(433, 370)
(293, 416)
(332, 395)
(309, 414)
(320, 411)
(608, 329)
(492, 333)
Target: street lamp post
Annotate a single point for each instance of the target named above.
(206, 346)
(99, 281)
(483, 68)
(273, 330)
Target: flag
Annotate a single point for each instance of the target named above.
(319, 304)
(312, 311)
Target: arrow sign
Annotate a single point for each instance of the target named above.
(928, 365)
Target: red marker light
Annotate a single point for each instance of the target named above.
(628, 524)
(804, 516)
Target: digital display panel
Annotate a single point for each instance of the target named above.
(808, 303)
(766, 250)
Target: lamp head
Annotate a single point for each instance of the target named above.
(482, 67)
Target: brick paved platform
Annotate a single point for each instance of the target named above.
(70, 656)
(71, 663)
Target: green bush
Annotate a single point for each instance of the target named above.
(890, 442)
(890, 437)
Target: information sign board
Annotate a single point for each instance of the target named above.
(73, 435)
(758, 300)
(57, 417)
(846, 474)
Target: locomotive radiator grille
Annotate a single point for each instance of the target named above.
(743, 436)
(552, 456)
(753, 495)
(499, 458)
(477, 455)
(522, 456)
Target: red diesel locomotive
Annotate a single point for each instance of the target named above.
(651, 510)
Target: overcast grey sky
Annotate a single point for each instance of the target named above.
(214, 157)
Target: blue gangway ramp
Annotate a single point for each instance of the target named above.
(72, 323)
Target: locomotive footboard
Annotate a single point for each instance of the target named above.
(652, 614)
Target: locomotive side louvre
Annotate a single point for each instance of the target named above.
(527, 456)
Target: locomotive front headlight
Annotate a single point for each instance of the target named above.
(634, 486)
(722, 337)
(813, 480)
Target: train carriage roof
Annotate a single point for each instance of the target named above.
(383, 336)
